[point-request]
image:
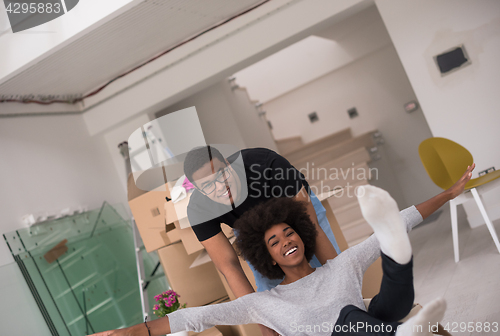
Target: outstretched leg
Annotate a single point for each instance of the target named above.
(381, 212)
(423, 323)
(396, 295)
(395, 298)
(353, 321)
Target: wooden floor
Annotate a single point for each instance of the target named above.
(471, 287)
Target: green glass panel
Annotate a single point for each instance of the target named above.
(94, 285)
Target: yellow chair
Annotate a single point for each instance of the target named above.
(446, 161)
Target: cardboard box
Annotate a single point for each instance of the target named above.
(209, 332)
(172, 235)
(191, 242)
(246, 330)
(148, 210)
(203, 256)
(197, 286)
(334, 224)
(178, 211)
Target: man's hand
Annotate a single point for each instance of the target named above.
(267, 332)
(459, 186)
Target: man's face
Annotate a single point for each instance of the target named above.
(218, 181)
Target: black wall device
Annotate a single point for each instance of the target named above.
(352, 112)
(452, 60)
(313, 117)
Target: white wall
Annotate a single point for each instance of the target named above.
(377, 86)
(253, 128)
(117, 135)
(19, 314)
(315, 56)
(50, 163)
(461, 106)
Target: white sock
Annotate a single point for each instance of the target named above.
(424, 323)
(381, 212)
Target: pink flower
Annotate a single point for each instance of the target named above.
(168, 299)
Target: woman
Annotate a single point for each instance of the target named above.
(321, 301)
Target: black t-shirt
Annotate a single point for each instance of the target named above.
(268, 175)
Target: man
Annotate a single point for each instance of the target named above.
(227, 187)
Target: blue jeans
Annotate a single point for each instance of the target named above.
(264, 283)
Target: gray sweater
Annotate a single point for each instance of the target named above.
(308, 306)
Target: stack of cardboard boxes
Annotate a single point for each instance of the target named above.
(164, 228)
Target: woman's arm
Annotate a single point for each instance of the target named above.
(428, 207)
(200, 318)
(157, 327)
(369, 250)
(195, 319)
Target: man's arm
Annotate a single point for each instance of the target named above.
(226, 261)
(324, 248)
(428, 207)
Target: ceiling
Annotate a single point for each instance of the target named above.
(355, 36)
(119, 45)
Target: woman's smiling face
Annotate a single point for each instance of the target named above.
(284, 245)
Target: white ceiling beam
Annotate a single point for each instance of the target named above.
(214, 56)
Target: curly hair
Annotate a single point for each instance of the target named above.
(253, 224)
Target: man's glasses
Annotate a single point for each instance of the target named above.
(221, 177)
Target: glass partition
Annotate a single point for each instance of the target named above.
(81, 271)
